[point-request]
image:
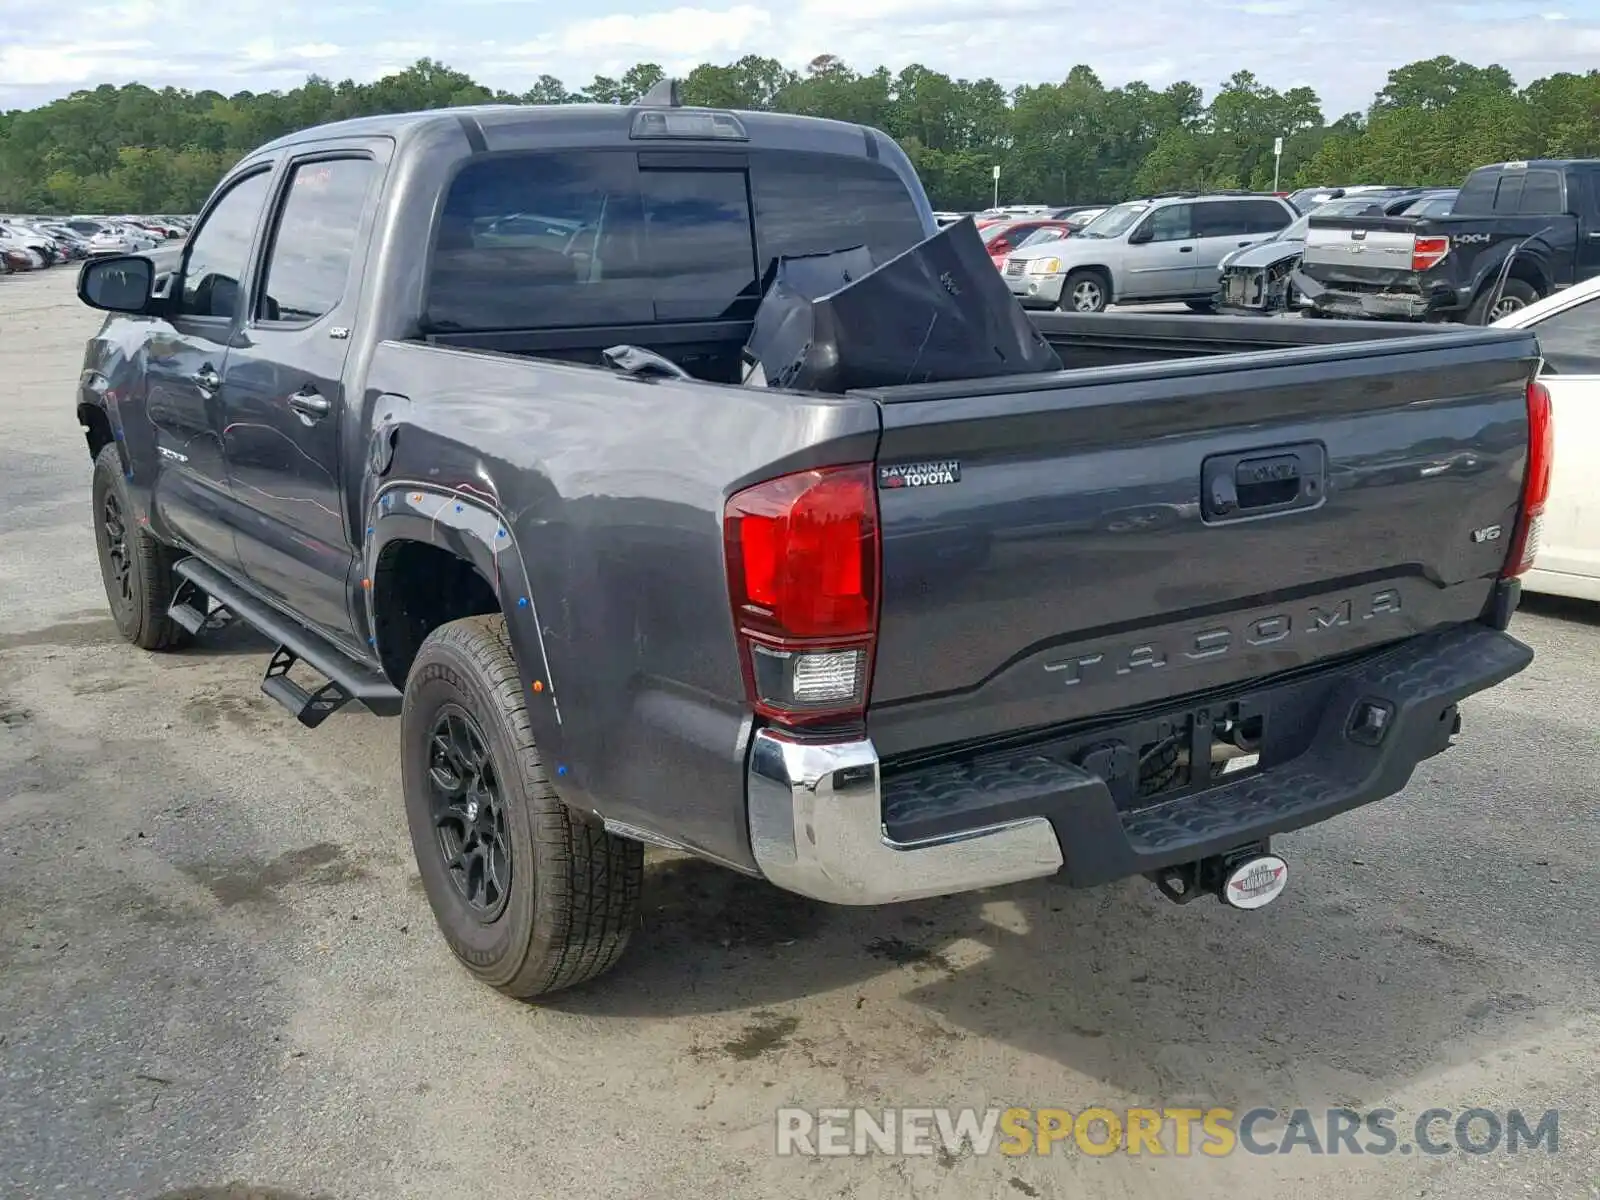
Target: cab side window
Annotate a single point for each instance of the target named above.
(218, 249)
(1541, 194)
(312, 247)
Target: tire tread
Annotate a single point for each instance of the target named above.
(152, 559)
(589, 881)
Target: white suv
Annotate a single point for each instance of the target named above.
(1163, 249)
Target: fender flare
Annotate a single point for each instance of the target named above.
(96, 393)
(473, 528)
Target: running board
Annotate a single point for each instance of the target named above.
(191, 608)
(348, 680)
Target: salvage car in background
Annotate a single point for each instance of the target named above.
(1162, 249)
(40, 244)
(1000, 238)
(1539, 221)
(1256, 280)
(1568, 327)
(1079, 215)
(15, 258)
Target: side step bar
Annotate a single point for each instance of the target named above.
(348, 680)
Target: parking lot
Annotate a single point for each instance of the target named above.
(217, 965)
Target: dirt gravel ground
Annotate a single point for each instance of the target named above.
(216, 965)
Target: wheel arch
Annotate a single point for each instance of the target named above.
(435, 555)
(96, 423)
(1105, 274)
(418, 586)
(1525, 268)
(1532, 272)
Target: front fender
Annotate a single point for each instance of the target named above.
(111, 384)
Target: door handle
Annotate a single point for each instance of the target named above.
(1246, 243)
(1185, 249)
(207, 379)
(310, 403)
(1272, 480)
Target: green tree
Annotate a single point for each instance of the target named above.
(135, 147)
(1437, 83)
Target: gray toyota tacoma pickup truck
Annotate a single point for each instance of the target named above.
(456, 409)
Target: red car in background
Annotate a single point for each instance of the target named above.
(1004, 236)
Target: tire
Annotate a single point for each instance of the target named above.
(543, 900)
(135, 568)
(1157, 771)
(1515, 295)
(1093, 296)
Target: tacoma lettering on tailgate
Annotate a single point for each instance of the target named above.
(1218, 640)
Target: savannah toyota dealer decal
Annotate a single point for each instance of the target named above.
(1257, 882)
(909, 475)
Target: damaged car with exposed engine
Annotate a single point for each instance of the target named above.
(1257, 280)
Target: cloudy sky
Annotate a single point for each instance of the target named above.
(1342, 48)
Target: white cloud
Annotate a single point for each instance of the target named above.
(1342, 48)
(679, 34)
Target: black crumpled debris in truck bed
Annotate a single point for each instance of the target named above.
(937, 313)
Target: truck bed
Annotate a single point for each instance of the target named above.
(710, 350)
(1072, 570)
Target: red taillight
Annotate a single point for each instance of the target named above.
(803, 554)
(1535, 482)
(1428, 252)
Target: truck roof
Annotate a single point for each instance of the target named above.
(592, 125)
(1528, 163)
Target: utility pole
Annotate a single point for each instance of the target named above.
(997, 185)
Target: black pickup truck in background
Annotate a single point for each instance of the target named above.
(461, 410)
(1543, 215)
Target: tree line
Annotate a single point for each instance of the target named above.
(144, 150)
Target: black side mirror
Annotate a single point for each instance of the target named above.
(1141, 235)
(122, 283)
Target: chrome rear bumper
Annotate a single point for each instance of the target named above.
(816, 828)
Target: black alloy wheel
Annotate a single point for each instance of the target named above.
(469, 813)
(532, 896)
(114, 546)
(135, 567)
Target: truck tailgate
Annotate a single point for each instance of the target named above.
(1359, 249)
(1054, 549)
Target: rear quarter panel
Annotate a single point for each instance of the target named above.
(610, 493)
